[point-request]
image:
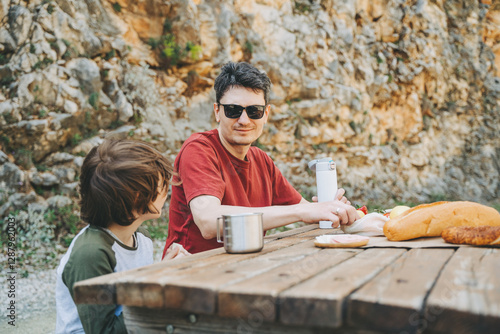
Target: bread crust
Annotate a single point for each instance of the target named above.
(479, 236)
(429, 220)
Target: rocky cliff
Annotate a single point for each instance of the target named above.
(404, 95)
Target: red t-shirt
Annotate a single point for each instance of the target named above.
(205, 167)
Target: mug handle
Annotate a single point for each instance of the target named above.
(218, 231)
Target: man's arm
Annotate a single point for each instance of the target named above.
(206, 209)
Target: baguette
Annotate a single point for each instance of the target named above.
(429, 220)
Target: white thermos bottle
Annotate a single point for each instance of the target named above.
(326, 181)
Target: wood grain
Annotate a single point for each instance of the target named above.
(156, 321)
(91, 291)
(319, 300)
(103, 289)
(258, 296)
(466, 297)
(194, 288)
(394, 299)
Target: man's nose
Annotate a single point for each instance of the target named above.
(244, 117)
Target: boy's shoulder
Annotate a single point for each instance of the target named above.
(89, 255)
(142, 230)
(92, 245)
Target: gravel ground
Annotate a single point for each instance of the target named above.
(35, 304)
(35, 300)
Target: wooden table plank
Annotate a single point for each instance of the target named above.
(392, 301)
(466, 297)
(298, 230)
(258, 295)
(102, 289)
(195, 289)
(160, 321)
(319, 300)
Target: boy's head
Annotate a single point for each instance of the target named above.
(120, 180)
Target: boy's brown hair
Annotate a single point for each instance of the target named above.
(119, 177)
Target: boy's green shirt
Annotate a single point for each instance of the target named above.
(95, 252)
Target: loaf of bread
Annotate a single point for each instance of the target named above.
(479, 236)
(429, 220)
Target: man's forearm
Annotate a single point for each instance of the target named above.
(206, 210)
(205, 215)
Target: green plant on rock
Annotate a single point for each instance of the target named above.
(153, 42)
(76, 139)
(7, 80)
(137, 118)
(24, 158)
(69, 218)
(41, 167)
(110, 54)
(41, 64)
(4, 59)
(54, 46)
(194, 50)
(35, 230)
(167, 26)
(4, 139)
(117, 7)
(50, 8)
(247, 50)
(71, 51)
(88, 117)
(170, 51)
(116, 124)
(94, 100)
(302, 7)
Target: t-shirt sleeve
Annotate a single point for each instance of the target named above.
(91, 262)
(283, 192)
(200, 172)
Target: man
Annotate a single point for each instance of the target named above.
(219, 172)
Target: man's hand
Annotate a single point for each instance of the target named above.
(339, 211)
(175, 251)
(340, 196)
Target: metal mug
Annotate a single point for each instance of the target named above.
(243, 233)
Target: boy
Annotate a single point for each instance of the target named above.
(122, 184)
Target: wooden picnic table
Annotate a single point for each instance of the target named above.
(291, 286)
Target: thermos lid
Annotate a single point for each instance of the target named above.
(323, 164)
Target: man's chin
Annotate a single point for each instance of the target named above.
(243, 142)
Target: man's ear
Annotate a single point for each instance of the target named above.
(216, 112)
(268, 109)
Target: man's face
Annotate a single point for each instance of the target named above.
(240, 132)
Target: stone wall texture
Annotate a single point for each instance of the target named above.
(404, 95)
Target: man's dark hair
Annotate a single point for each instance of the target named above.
(118, 178)
(241, 75)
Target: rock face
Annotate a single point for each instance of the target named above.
(404, 95)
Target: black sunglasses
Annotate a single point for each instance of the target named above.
(235, 111)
